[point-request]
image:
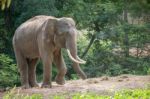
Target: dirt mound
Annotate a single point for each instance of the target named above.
(103, 85)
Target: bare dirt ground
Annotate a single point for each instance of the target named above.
(102, 85)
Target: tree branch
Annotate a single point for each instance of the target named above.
(89, 45)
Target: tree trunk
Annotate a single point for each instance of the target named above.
(126, 37)
(8, 18)
(97, 29)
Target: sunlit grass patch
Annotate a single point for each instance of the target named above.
(133, 94)
(81, 96)
(123, 94)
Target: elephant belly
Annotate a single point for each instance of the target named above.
(27, 46)
(31, 53)
(30, 50)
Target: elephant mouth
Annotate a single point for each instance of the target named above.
(77, 59)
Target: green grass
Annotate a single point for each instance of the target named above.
(123, 94)
(12, 94)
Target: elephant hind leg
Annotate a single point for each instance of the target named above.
(23, 68)
(32, 72)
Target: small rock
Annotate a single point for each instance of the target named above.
(120, 80)
(127, 79)
(7, 88)
(124, 76)
(95, 81)
(104, 78)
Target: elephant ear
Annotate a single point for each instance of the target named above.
(50, 25)
(50, 28)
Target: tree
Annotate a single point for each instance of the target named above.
(36, 7)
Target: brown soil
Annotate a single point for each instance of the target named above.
(102, 85)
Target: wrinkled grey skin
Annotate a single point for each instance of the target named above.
(42, 37)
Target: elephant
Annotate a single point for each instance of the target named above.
(42, 38)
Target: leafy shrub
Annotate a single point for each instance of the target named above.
(8, 72)
(101, 60)
(114, 69)
(148, 71)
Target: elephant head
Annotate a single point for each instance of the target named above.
(65, 36)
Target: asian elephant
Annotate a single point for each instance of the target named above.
(42, 37)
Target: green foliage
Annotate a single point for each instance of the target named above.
(124, 94)
(148, 71)
(36, 7)
(89, 96)
(136, 94)
(8, 72)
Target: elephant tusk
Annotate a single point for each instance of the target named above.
(81, 59)
(77, 61)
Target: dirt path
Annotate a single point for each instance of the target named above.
(102, 85)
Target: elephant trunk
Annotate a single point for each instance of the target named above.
(72, 53)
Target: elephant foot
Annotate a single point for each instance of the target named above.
(83, 76)
(34, 84)
(46, 86)
(60, 81)
(25, 86)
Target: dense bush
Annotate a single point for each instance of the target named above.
(103, 60)
(8, 72)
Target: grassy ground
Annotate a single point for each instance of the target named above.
(123, 94)
(119, 87)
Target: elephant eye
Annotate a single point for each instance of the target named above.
(67, 24)
(73, 25)
(62, 32)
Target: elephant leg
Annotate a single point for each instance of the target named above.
(60, 65)
(32, 72)
(23, 68)
(47, 70)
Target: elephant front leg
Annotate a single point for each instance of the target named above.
(60, 64)
(47, 71)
